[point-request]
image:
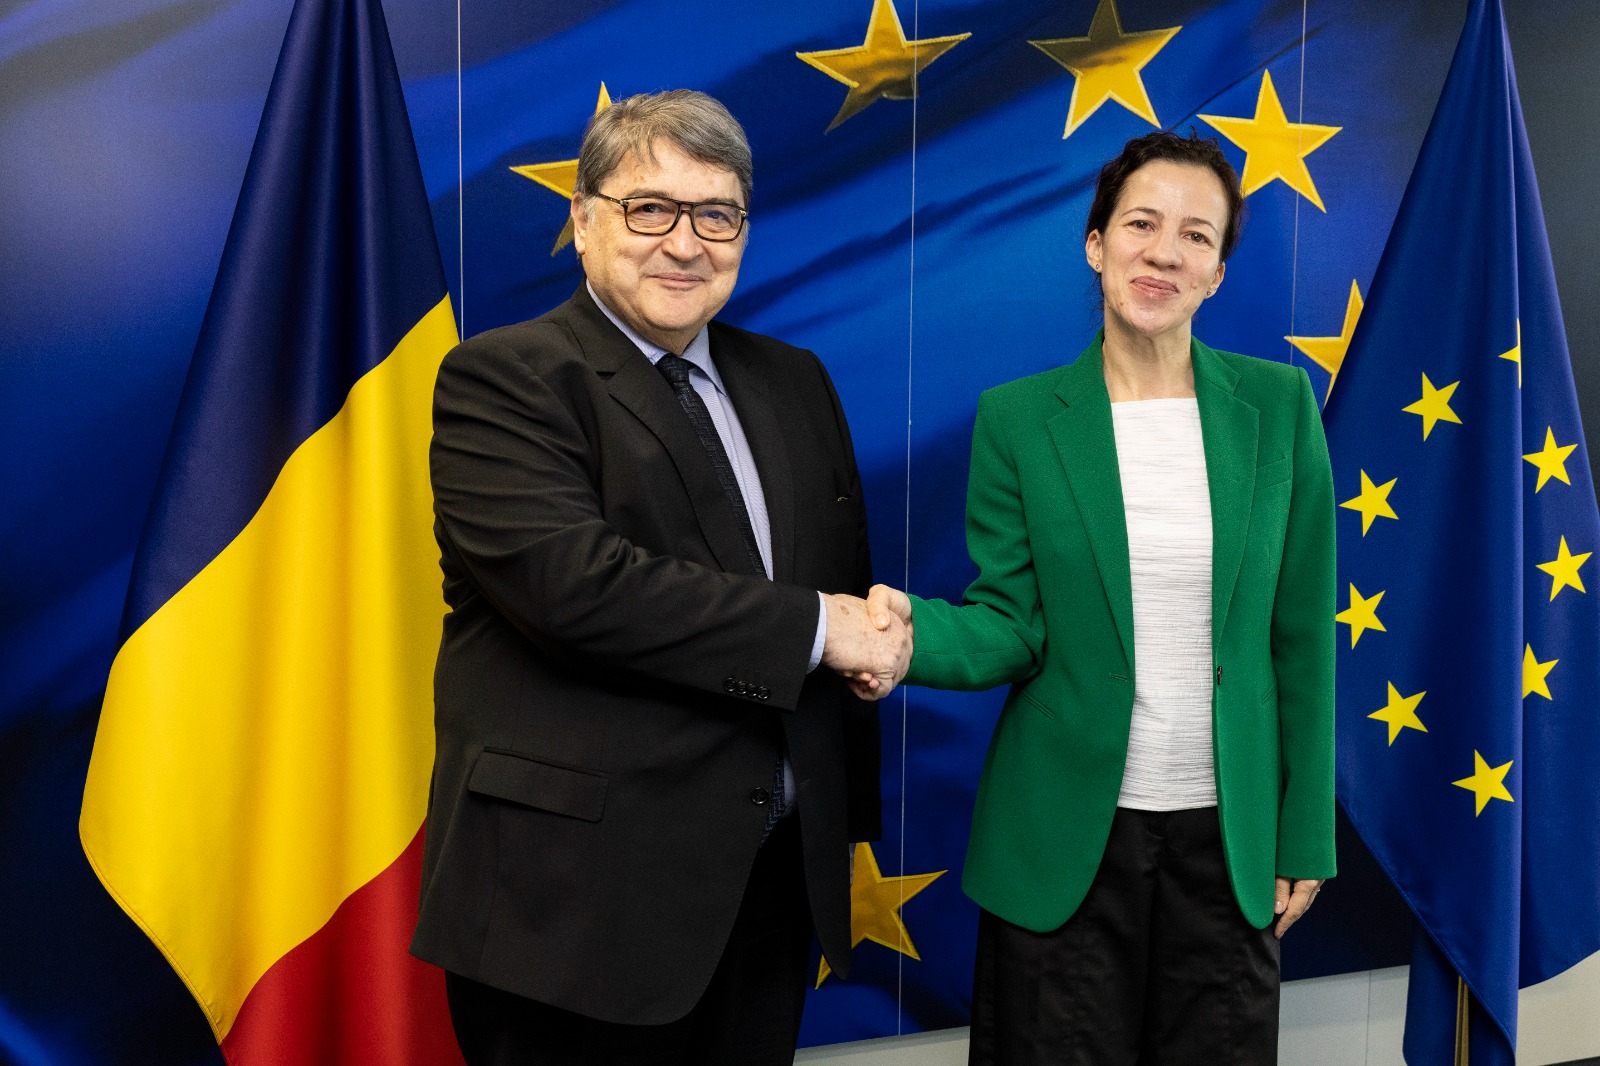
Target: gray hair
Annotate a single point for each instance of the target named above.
(694, 123)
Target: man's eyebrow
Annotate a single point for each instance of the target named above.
(659, 195)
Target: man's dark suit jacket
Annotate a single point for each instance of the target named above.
(614, 679)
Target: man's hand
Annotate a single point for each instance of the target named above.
(1293, 897)
(872, 658)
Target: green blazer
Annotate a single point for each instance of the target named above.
(1052, 612)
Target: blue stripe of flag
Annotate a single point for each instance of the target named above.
(331, 259)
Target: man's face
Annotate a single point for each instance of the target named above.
(667, 286)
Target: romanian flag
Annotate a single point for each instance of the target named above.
(260, 773)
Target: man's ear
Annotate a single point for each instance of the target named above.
(580, 223)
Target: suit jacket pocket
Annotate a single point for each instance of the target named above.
(1037, 704)
(520, 779)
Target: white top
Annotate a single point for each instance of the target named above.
(1167, 504)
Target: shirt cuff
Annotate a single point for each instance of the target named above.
(822, 632)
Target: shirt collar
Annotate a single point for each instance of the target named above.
(698, 352)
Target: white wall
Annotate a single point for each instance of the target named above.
(1354, 1019)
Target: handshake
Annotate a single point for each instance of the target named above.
(869, 641)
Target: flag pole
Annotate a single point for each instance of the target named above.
(1463, 1039)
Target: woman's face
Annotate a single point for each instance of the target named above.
(1160, 254)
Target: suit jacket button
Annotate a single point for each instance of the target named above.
(760, 797)
(763, 692)
(729, 684)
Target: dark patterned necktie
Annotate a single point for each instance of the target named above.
(676, 370)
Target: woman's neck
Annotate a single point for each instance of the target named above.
(1138, 367)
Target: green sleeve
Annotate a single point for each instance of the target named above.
(997, 635)
(1303, 634)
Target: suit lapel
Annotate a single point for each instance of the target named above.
(1087, 445)
(758, 416)
(1229, 428)
(639, 387)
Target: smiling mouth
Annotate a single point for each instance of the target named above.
(1155, 286)
(678, 281)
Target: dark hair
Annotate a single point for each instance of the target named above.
(1193, 150)
(696, 124)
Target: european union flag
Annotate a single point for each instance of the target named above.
(1469, 686)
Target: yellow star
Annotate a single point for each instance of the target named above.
(562, 177)
(1361, 615)
(1515, 354)
(884, 66)
(1486, 782)
(875, 902)
(1373, 502)
(1564, 569)
(1105, 65)
(1274, 147)
(1400, 712)
(1552, 461)
(1434, 407)
(1534, 673)
(1329, 352)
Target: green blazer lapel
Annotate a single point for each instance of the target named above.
(1229, 428)
(1087, 445)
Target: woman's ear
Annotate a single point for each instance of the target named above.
(1216, 282)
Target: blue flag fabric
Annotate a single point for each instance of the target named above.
(330, 261)
(1469, 685)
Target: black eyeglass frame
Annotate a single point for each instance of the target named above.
(680, 207)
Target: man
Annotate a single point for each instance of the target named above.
(650, 523)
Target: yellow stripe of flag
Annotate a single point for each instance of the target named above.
(267, 735)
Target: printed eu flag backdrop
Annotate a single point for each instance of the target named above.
(922, 176)
(922, 173)
(1469, 686)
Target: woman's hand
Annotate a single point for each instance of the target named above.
(1293, 897)
(872, 658)
(883, 601)
(885, 607)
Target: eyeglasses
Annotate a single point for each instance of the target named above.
(651, 216)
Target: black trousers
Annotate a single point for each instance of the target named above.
(1157, 967)
(748, 1016)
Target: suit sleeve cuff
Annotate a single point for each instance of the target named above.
(821, 638)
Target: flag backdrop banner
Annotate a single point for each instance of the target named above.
(922, 173)
(257, 789)
(1469, 685)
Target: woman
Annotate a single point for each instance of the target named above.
(1153, 526)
